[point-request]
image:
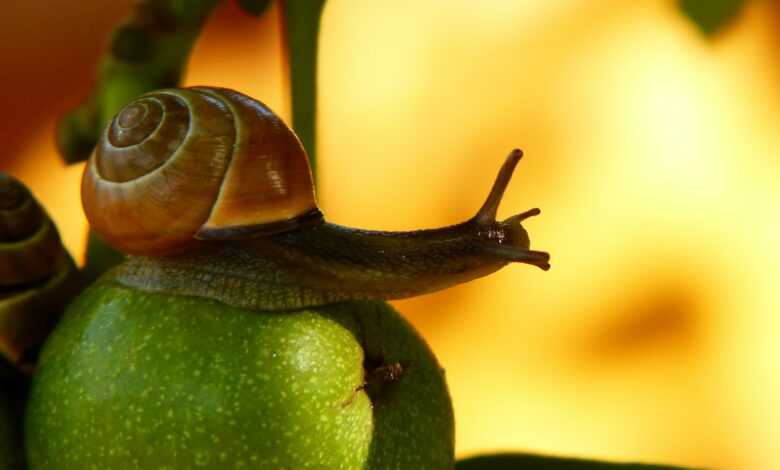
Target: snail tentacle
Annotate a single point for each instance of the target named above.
(487, 213)
(508, 240)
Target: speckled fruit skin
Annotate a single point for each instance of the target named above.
(135, 380)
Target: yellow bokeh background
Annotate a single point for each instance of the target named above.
(653, 152)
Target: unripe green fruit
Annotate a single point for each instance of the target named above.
(137, 380)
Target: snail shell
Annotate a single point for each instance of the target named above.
(30, 246)
(178, 165)
(37, 276)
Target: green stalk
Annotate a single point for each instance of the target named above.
(254, 7)
(302, 21)
(149, 50)
(711, 16)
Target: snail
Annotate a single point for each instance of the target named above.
(37, 276)
(213, 194)
(244, 330)
(31, 247)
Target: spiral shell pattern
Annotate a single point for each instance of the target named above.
(37, 276)
(178, 165)
(30, 247)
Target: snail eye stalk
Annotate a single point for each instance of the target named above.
(487, 213)
(509, 241)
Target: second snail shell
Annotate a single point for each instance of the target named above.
(180, 164)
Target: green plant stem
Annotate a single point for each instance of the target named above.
(302, 20)
(149, 50)
(711, 16)
(254, 7)
(100, 258)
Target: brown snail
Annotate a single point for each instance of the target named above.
(218, 185)
(37, 276)
(217, 210)
(177, 165)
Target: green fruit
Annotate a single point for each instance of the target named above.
(136, 380)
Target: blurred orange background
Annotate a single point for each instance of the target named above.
(653, 152)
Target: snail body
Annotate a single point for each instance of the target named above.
(185, 171)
